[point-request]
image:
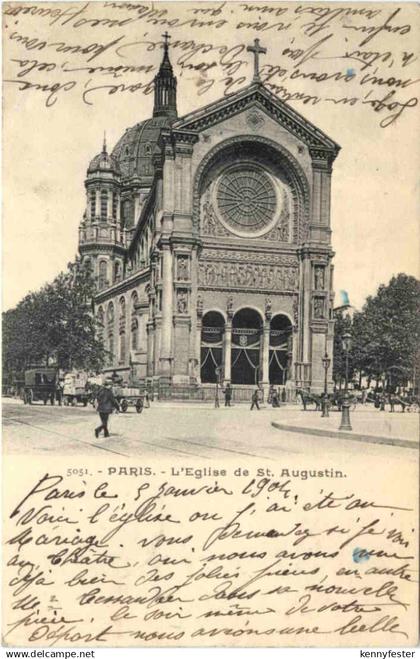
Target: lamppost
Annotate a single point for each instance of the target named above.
(216, 393)
(345, 407)
(326, 361)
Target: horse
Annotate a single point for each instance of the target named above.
(397, 400)
(308, 398)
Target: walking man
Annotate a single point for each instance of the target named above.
(255, 399)
(106, 403)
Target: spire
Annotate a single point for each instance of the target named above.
(165, 86)
(104, 144)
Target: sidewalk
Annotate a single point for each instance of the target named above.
(368, 425)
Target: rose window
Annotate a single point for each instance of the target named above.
(246, 199)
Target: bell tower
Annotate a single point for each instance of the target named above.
(102, 238)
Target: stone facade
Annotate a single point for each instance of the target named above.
(210, 239)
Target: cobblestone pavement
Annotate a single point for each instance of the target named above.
(189, 430)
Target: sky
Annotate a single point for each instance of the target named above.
(46, 150)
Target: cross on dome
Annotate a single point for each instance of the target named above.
(257, 50)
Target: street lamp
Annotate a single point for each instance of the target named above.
(326, 361)
(345, 407)
(218, 370)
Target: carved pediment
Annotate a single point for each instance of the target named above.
(256, 95)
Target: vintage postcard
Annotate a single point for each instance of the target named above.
(211, 353)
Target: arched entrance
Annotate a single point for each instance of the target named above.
(212, 332)
(246, 347)
(281, 337)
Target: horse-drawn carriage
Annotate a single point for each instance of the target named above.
(408, 403)
(335, 400)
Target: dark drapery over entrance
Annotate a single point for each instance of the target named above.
(212, 333)
(246, 345)
(281, 336)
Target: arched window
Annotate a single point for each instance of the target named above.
(103, 279)
(104, 205)
(126, 208)
(111, 349)
(92, 204)
(281, 348)
(246, 346)
(122, 323)
(117, 271)
(110, 332)
(110, 316)
(134, 322)
(122, 315)
(212, 333)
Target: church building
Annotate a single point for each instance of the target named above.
(209, 236)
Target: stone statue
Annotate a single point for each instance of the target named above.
(291, 278)
(319, 278)
(268, 313)
(296, 313)
(182, 268)
(182, 302)
(284, 232)
(229, 307)
(209, 221)
(318, 307)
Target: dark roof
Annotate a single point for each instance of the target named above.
(135, 149)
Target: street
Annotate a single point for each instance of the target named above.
(183, 430)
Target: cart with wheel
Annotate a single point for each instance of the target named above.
(75, 388)
(40, 384)
(129, 397)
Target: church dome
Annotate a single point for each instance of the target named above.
(104, 162)
(135, 149)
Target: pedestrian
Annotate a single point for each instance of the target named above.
(255, 399)
(59, 393)
(146, 399)
(228, 395)
(275, 401)
(106, 403)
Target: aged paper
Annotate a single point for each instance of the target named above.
(193, 525)
(308, 552)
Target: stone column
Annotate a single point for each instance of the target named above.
(306, 287)
(228, 351)
(266, 355)
(109, 205)
(88, 214)
(97, 203)
(167, 304)
(150, 341)
(118, 202)
(199, 326)
(321, 184)
(193, 365)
